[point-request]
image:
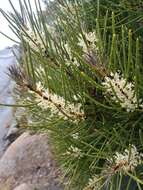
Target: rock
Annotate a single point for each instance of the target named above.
(29, 160)
(17, 126)
(24, 186)
(12, 132)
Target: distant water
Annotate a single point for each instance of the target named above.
(7, 59)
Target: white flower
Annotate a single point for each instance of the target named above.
(58, 105)
(35, 41)
(76, 97)
(51, 29)
(72, 59)
(121, 91)
(91, 40)
(39, 86)
(41, 72)
(91, 37)
(127, 161)
(93, 184)
(74, 151)
(75, 136)
(20, 112)
(66, 9)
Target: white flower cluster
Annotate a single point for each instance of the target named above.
(121, 91)
(58, 105)
(75, 136)
(70, 9)
(91, 41)
(93, 184)
(127, 161)
(74, 151)
(71, 60)
(41, 72)
(34, 39)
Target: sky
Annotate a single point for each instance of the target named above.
(4, 4)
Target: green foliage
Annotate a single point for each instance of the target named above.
(83, 148)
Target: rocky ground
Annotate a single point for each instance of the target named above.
(27, 163)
